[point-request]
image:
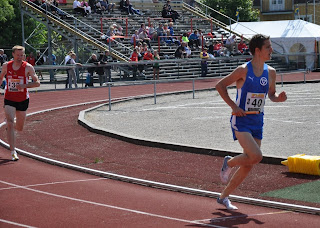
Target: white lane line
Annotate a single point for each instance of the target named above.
(53, 183)
(109, 206)
(16, 224)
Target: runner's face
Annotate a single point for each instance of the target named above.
(18, 55)
(266, 50)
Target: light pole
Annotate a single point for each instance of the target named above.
(314, 11)
(306, 10)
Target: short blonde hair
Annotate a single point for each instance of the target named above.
(18, 47)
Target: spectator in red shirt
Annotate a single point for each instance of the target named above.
(31, 59)
(148, 55)
(134, 58)
(242, 47)
(219, 49)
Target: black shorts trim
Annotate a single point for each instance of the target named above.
(20, 106)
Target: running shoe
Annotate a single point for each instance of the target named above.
(14, 156)
(227, 203)
(225, 170)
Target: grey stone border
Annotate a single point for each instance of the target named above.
(164, 145)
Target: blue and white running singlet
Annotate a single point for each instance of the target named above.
(251, 97)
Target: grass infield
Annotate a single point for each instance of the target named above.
(308, 192)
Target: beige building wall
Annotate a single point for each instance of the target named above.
(266, 5)
(276, 17)
(310, 11)
(291, 16)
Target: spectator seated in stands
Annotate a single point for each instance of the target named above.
(92, 4)
(142, 27)
(161, 33)
(86, 6)
(184, 37)
(122, 6)
(106, 6)
(170, 35)
(152, 33)
(117, 29)
(201, 38)
(46, 5)
(194, 39)
(55, 9)
(168, 12)
(130, 10)
(78, 8)
(242, 47)
(143, 49)
(135, 38)
(183, 51)
(231, 44)
(109, 36)
(145, 38)
(219, 49)
(187, 49)
(51, 6)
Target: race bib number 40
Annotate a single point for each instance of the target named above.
(255, 102)
(12, 84)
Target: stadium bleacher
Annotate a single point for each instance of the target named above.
(88, 35)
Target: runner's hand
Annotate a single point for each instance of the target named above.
(238, 112)
(19, 87)
(282, 96)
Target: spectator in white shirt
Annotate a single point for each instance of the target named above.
(231, 43)
(78, 8)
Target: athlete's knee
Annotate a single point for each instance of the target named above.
(10, 123)
(247, 168)
(255, 158)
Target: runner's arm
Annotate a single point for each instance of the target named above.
(273, 96)
(35, 80)
(236, 76)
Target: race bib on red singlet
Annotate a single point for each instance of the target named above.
(12, 84)
(255, 102)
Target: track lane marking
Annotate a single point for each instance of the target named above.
(110, 206)
(53, 183)
(16, 224)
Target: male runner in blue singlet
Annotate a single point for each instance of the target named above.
(254, 81)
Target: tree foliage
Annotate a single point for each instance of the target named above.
(229, 8)
(11, 27)
(6, 10)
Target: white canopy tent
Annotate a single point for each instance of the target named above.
(288, 37)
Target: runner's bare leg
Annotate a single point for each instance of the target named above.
(251, 155)
(10, 113)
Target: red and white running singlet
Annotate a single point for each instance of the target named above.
(15, 77)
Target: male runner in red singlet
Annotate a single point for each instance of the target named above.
(16, 98)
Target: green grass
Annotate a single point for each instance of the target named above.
(309, 192)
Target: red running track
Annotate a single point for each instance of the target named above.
(41, 195)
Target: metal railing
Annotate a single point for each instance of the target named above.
(206, 13)
(75, 28)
